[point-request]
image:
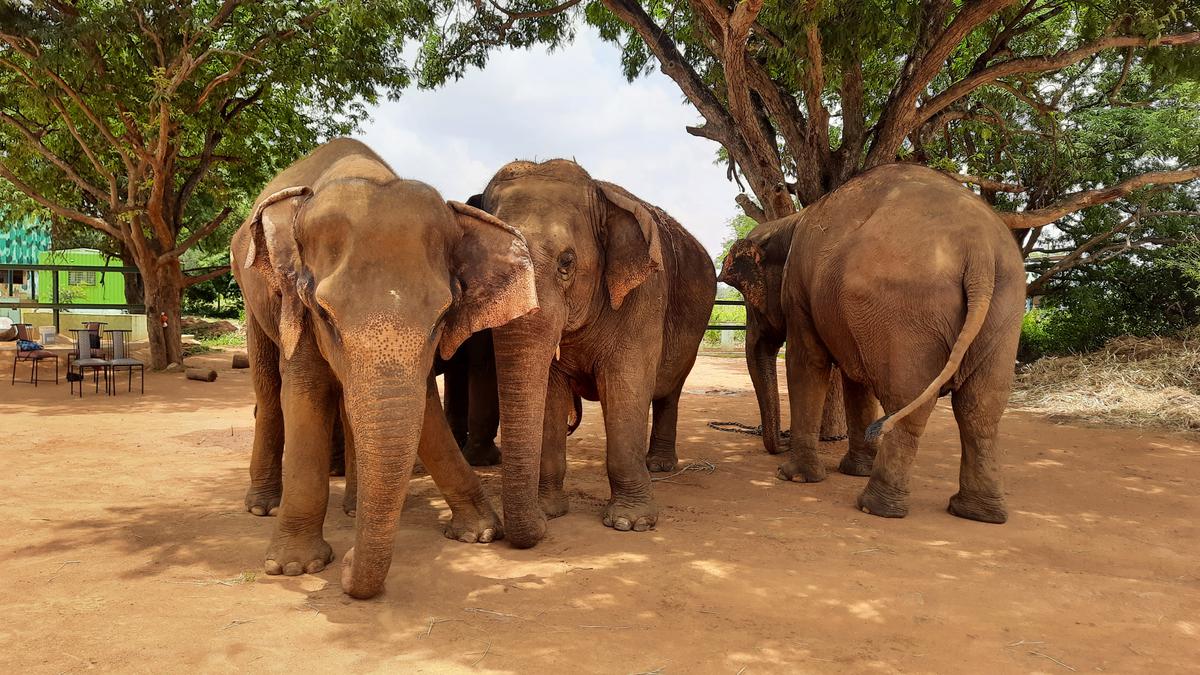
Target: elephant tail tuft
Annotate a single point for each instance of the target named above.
(878, 428)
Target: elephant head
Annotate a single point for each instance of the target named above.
(592, 243)
(754, 266)
(378, 273)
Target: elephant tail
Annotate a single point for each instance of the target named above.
(574, 422)
(978, 283)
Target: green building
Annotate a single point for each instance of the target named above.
(81, 287)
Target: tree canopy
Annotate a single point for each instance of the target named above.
(1048, 107)
(152, 122)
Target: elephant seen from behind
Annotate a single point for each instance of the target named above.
(914, 288)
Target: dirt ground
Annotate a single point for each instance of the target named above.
(126, 549)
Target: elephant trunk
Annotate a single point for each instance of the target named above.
(387, 424)
(762, 353)
(524, 349)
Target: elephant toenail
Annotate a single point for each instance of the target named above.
(273, 567)
(314, 566)
(641, 526)
(293, 569)
(467, 537)
(622, 524)
(257, 510)
(274, 510)
(487, 536)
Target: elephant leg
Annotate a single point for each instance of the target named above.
(662, 455)
(309, 404)
(978, 405)
(350, 495)
(483, 418)
(553, 471)
(266, 459)
(861, 410)
(808, 366)
(337, 463)
(457, 385)
(472, 517)
(886, 493)
(625, 400)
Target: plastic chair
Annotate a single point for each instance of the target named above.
(120, 359)
(84, 360)
(34, 357)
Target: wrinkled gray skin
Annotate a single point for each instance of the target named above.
(353, 278)
(624, 294)
(914, 287)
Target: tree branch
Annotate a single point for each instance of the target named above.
(1039, 64)
(196, 236)
(189, 281)
(62, 211)
(1081, 200)
(985, 183)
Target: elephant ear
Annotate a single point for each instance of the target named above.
(631, 247)
(494, 271)
(274, 254)
(743, 269)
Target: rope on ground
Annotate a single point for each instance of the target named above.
(739, 428)
(700, 465)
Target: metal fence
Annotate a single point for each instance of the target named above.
(55, 304)
(727, 326)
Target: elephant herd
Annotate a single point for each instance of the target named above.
(550, 287)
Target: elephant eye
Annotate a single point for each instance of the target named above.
(566, 264)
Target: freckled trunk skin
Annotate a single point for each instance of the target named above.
(524, 349)
(387, 421)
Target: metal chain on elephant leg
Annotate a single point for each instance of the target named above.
(739, 428)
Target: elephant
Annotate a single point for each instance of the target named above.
(624, 295)
(353, 278)
(471, 400)
(914, 288)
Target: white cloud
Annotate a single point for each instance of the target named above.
(571, 103)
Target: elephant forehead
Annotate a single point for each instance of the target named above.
(552, 168)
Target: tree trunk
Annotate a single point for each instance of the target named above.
(164, 295)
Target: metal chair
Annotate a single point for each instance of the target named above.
(34, 357)
(84, 360)
(120, 359)
(94, 328)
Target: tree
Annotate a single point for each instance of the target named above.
(802, 96)
(152, 123)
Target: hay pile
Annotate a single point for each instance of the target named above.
(1131, 382)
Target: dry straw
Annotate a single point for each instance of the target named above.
(1131, 382)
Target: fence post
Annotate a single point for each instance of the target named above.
(54, 299)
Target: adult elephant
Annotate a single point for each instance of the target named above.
(765, 335)
(353, 278)
(624, 294)
(913, 286)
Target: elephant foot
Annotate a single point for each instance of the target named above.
(659, 461)
(474, 523)
(263, 501)
(881, 499)
(806, 470)
(975, 506)
(483, 453)
(554, 502)
(293, 556)
(625, 516)
(525, 534)
(782, 444)
(854, 464)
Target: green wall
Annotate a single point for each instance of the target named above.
(104, 287)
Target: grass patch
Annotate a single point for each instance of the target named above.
(227, 340)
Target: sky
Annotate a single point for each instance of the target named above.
(573, 103)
